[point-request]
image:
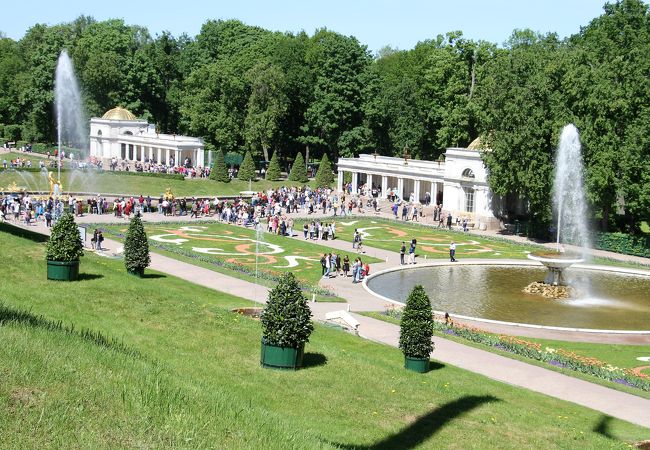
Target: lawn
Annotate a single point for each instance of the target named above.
(431, 242)
(187, 375)
(91, 181)
(241, 249)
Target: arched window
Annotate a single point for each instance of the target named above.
(99, 132)
(468, 173)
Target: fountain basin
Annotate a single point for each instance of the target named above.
(491, 291)
(556, 263)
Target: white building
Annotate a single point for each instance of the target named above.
(458, 183)
(121, 135)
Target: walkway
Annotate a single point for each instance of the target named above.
(608, 401)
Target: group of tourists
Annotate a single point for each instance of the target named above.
(25, 209)
(316, 230)
(332, 265)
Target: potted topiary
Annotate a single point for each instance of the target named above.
(416, 330)
(286, 325)
(136, 248)
(63, 250)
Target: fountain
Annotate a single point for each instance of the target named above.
(70, 121)
(570, 207)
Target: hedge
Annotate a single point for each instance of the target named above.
(623, 243)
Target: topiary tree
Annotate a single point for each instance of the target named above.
(274, 173)
(219, 170)
(286, 319)
(65, 241)
(136, 248)
(416, 327)
(247, 168)
(324, 176)
(298, 171)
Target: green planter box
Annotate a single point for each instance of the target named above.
(420, 365)
(276, 357)
(63, 270)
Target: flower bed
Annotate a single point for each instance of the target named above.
(555, 357)
(239, 268)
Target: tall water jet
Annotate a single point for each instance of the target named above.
(570, 207)
(568, 192)
(70, 119)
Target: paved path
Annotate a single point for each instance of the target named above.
(608, 401)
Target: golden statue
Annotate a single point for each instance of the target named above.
(168, 195)
(56, 188)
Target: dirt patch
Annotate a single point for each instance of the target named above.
(25, 397)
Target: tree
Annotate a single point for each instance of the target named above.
(324, 176)
(298, 170)
(267, 105)
(136, 247)
(286, 319)
(416, 327)
(273, 172)
(65, 241)
(219, 170)
(247, 168)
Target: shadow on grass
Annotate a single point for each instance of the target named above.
(602, 427)
(153, 276)
(313, 360)
(427, 425)
(89, 276)
(22, 232)
(435, 365)
(27, 318)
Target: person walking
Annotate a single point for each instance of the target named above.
(452, 252)
(402, 252)
(412, 252)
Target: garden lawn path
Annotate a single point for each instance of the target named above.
(608, 401)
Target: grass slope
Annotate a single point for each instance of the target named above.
(198, 382)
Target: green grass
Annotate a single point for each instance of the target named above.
(620, 355)
(431, 242)
(93, 182)
(198, 382)
(236, 244)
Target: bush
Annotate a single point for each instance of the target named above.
(136, 247)
(623, 243)
(219, 171)
(65, 241)
(273, 173)
(286, 319)
(298, 170)
(416, 327)
(324, 177)
(247, 168)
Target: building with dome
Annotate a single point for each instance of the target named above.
(120, 134)
(457, 181)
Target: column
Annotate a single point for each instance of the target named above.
(159, 155)
(195, 158)
(177, 158)
(355, 181)
(400, 188)
(142, 158)
(339, 181)
(416, 191)
(150, 153)
(384, 186)
(369, 183)
(167, 151)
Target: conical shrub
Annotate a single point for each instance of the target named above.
(416, 327)
(247, 168)
(65, 241)
(324, 176)
(136, 247)
(298, 171)
(219, 170)
(274, 173)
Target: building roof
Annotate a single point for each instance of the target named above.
(119, 114)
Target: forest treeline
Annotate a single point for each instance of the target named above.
(242, 87)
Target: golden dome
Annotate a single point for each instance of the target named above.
(119, 114)
(476, 144)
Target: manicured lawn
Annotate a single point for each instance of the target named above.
(431, 242)
(197, 382)
(93, 182)
(215, 243)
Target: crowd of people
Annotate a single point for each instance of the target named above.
(333, 265)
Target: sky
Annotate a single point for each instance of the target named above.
(375, 23)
